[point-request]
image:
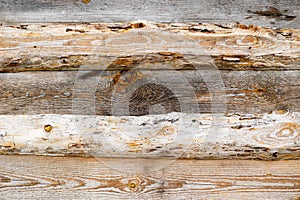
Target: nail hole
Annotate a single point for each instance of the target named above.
(275, 154)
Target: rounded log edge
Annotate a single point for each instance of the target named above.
(272, 136)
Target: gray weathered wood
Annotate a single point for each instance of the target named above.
(282, 13)
(27, 177)
(216, 57)
(175, 135)
(55, 92)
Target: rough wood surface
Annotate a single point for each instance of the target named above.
(27, 47)
(257, 70)
(129, 47)
(175, 135)
(56, 92)
(281, 13)
(233, 63)
(27, 177)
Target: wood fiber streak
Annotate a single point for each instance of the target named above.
(176, 135)
(174, 99)
(55, 92)
(114, 46)
(282, 13)
(29, 177)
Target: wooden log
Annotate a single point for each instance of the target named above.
(257, 74)
(117, 46)
(175, 135)
(282, 13)
(244, 92)
(29, 177)
(143, 100)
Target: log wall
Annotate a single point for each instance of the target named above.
(149, 99)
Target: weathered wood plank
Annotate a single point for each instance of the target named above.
(282, 13)
(27, 177)
(28, 47)
(175, 135)
(56, 92)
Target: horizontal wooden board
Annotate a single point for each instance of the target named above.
(282, 13)
(174, 135)
(247, 92)
(32, 47)
(27, 177)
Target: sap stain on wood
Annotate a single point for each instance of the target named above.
(273, 12)
(246, 47)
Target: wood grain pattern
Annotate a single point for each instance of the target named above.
(29, 47)
(206, 79)
(175, 135)
(27, 177)
(282, 13)
(55, 92)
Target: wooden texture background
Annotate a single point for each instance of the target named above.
(259, 12)
(261, 137)
(26, 177)
(63, 64)
(258, 67)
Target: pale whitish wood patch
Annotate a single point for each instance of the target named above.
(35, 47)
(175, 135)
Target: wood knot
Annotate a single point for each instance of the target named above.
(285, 132)
(152, 97)
(134, 185)
(48, 128)
(288, 130)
